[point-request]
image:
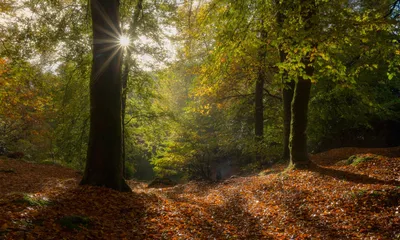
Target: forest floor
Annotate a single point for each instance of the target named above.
(334, 201)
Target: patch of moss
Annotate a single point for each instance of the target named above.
(7, 170)
(50, 162)
(357, 159)
(342, 162)
(34, 201)
(357, 194)
(30, 222)
(268, 172)
(74, 222)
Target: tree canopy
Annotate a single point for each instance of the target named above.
(207, 86)
(199, 119)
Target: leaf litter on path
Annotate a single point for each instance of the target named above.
(330, 202)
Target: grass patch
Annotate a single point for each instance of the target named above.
(74, 222)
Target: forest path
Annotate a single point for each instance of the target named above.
(337, 201)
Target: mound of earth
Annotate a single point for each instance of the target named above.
(333, 156)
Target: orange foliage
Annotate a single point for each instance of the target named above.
(24, 105)
(332, 202)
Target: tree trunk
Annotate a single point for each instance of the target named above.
(259, 96)
(287, 87)
(298, 137)
(287, 96)
(125, 76)
(104, 156)
(259, 115)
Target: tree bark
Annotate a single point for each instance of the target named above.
(299, 111)
(125, 76)
(287, 96)
(259, 115)
(259, 97)
(287, 91)
(298, 136)
(104, 156)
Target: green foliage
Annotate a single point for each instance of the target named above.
(188, 117)
(129, 170)
(51, 35)
(71, 130)
(347, 114)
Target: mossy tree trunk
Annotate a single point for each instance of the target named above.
(104, 156)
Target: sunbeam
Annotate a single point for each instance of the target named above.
(108, 60)
(113, 44)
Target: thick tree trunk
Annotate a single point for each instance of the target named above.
(298, 137)
(104, 160)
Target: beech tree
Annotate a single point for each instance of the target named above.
(104, 157)
(209, 95)
(301, 96)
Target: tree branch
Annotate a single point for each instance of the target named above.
(234, 96)
(272, 95)
(392, 9)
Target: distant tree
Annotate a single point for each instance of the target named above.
(132, 33)
(287, 86)
(104, 157)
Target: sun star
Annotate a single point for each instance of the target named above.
(124, 41)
